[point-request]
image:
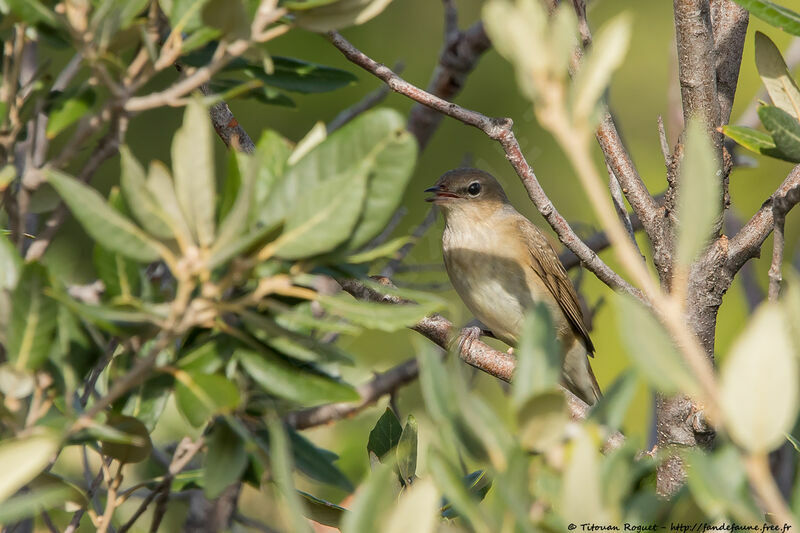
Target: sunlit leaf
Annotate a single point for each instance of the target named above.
(760, 376)
(754, 140)
(199, 396)
(774, 14)
(538, 356)
(699, 195)
(68, 109)
(22, 459)
(605, 56)
(542, 420)
(372, 499)
(10, 264)
(193, 167)
(139, 198)
(581, 492)
(32, 324)
(651, 350)
(281, 468)
(104, 224)
(385, 317)
(417, 510)
(407, 450)
(337, 15)
(776, 77)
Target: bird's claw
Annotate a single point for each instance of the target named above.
(467, 336)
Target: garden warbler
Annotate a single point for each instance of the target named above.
(501, 265)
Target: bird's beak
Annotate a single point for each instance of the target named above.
(439, 194)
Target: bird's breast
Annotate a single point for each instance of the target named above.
(495, 285)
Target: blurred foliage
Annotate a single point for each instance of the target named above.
(214, 294)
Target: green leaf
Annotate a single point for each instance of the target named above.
(225, 461)
(776, 77)
(477, 483)
(30, 504)
(67, 109)
(148, 402)
(760, 376)
(119, 275)
(200, 396)
(651, 350)
(104, 224)
(139, 198)
(385, 435)
(542, 420)
(193, 167)
(33, 12)
(134, 452)
(417, 510)
(229, 17)
(22, 459)
(317, 463)
(160, 184)
(611, 409)
(437, 387)
(341, 14)
(372, 499)
(242, 244)
(605, 56)
(581, 491)
(279, 377)
(386, 249)
(785, 131)
(538, 356)
(303, 77)
(385, 317)
(32, 324)
(10, 264)
(235, 222)
(754, 140)
(281, 468)
(458, 491)
(407, 451)
(391, 161)
(323, 217)
(774, 14)
(699, 195)
(321, 511)
(272, 153)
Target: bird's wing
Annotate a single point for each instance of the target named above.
(545, 263)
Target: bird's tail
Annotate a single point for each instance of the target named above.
(577, 373)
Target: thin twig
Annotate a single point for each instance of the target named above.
(416, 235)
(369, 101)
(501, 131)
(662, 138)
(619, 206)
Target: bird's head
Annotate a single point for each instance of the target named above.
(467, 191)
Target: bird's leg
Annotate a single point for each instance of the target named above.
(467, 336)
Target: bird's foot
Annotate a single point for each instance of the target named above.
(467, 336)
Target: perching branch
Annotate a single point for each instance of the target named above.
(501, 131)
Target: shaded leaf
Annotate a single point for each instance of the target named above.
(160, 184)
(29, 504)
(67, 110)
(225, 461)
(104, 224)
(281, 468)
(417, 510)
(317, 463)
(785, 131)
(458, 491)
(611, 409)
(32, 324)
(193, 167)
(148, 402)
(321, 511)
(385, 435)
(133, 452)
(279, 377)
(760, 376)
(120, 276)
(301, 76)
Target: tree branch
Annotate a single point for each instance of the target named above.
(501, 131)
(729, 27)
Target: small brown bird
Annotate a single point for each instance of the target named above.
(501, 264)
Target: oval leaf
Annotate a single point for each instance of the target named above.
(32, 324)
(776, 77)
(785, 131)
(199, 396)
(759, 382)
(24, 458)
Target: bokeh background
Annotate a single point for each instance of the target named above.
(411, 31)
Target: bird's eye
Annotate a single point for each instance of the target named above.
(474, 188)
